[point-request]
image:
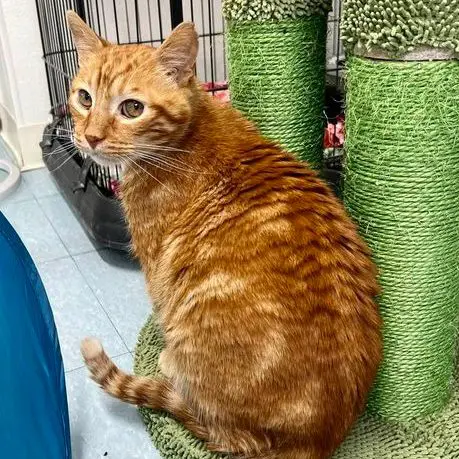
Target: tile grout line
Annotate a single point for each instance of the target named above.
(100, 303)
(84, 277)
(69, 255)
(84, 366)
(28, 186)
(48, 197)
(8, 202)
(55, 230)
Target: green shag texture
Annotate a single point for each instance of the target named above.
(277, 80)
(400, 26)
(402, 187)
(432, 438)
(266, 10)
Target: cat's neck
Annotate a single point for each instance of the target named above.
(216, 135)
(216, 125)
(154, 197)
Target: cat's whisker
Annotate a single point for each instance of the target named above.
(63, 129)
(67, 142)
(69, 158)
(169, 161)
(160, 154)
(164, 167)
(154, 160)
(143, 178)
(125, 164)
(161, 147)
(157, 166)
(62, 149)
(133, 162)
(148, 155)
(58, 136)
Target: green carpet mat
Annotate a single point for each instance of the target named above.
(432, 438)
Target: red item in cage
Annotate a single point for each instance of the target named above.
(115, 187)
(222, 95)
(218, 89)
(334, 134)
(215, 86)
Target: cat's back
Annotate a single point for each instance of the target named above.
(267, 231)
(277, 214)
(268, 278)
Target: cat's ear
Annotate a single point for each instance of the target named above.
(85, 39)
(178, 53)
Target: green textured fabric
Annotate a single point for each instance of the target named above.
(265, 10)
(402, 187)
(277, 79)
(432, 438)
(399, 26)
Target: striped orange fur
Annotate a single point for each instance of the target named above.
(262, 286)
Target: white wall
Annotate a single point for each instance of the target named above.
(24, 100)
(7, 105)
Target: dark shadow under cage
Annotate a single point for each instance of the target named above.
(92, 189)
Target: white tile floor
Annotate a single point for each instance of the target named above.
(92, 292)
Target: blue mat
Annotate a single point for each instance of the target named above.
(34, 420)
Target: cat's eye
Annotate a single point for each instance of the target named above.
(84, 99)
(131, 108)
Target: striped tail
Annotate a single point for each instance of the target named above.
(155, 393)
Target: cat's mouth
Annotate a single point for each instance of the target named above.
(103, 159)
(100, 157)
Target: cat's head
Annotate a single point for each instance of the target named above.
(128, 99)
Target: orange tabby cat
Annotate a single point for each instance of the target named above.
(262, 287)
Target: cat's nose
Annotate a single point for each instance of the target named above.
(94, 139)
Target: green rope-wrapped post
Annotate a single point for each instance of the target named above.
(276, 56)
(402, 187)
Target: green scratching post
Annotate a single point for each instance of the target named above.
(276, 55)
(402, 187)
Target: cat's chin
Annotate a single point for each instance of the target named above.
(103, 160)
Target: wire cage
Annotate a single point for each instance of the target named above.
(92, 189)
